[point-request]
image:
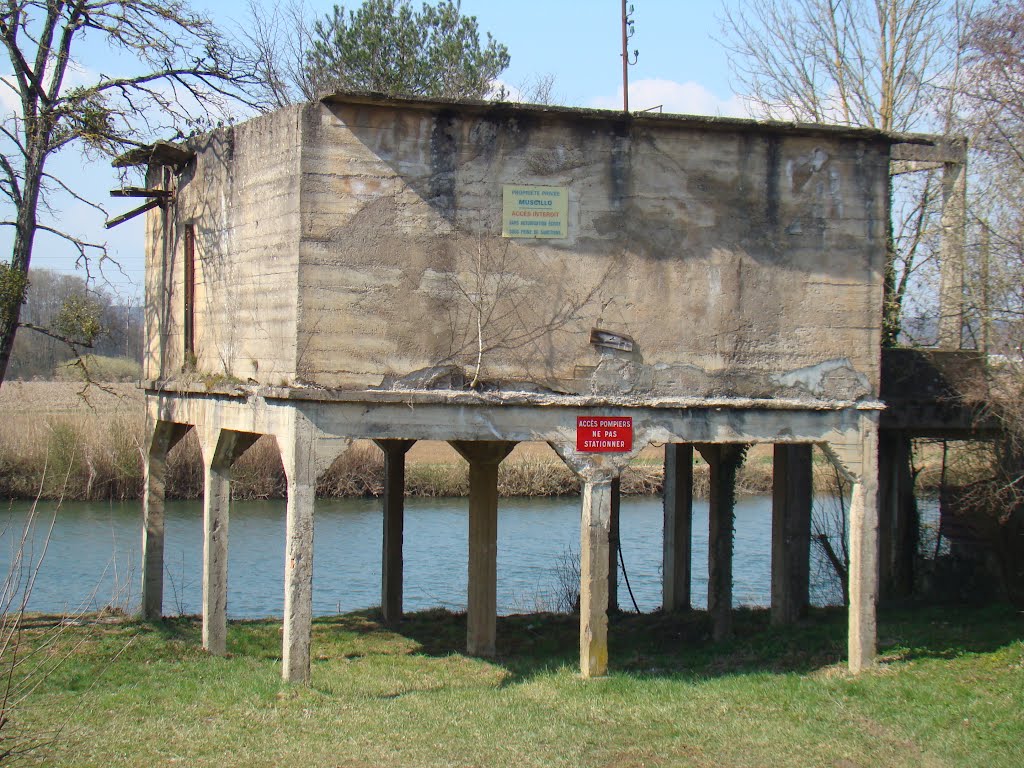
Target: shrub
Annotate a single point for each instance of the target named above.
(98, 368)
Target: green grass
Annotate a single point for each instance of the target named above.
(949, 692)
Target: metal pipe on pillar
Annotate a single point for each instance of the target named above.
(613, 545)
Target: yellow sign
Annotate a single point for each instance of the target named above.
(534, 211)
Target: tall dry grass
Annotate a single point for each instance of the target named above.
(98, 459)
(49, 433)
(98, 454)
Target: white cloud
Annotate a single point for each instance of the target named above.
(687, 98)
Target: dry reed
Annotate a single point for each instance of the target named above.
(47, 431)
(101, 454)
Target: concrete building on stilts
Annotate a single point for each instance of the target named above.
(487, 274)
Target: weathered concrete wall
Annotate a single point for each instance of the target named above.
(241, 196)
(740, 261)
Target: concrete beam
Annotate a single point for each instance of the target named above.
(953, 150)
(431, 417)
(791, 532)
(220, 450)
(678, 527)
(724, 462)
(164, 436)
(900, 167)
(394, 524)
(481, 609)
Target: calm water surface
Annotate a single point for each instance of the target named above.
(94, 553)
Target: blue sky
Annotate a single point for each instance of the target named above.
(681, 66)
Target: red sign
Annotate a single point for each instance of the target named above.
(604, 434)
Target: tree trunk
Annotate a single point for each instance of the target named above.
(21, 257)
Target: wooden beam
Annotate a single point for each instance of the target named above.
(163, 194)
(158, 153)
(133, 213)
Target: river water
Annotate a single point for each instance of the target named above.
(93, 556)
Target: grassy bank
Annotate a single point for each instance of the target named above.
(949, 692)
(57, 442)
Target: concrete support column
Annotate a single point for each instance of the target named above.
(298, 454)
(595, 524)
(864, 551)
(678, 527)
(897, 516)
(791, 532)
(613, 545)
(394, 523)
(163, 437)
(951, 255)
(220, 450)
(724, 461)
(216, 496)
(598, 473)
(481, 608)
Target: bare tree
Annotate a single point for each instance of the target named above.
(884, 64)
(992, 109)
(533, 89)
(495, 307)
(279, 39)
(991, 102)
(181, 73)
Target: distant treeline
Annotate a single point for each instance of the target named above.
(37, 355)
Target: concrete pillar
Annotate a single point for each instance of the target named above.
(216, 497)
(864, 551)
(163, 437)
(598, 473)
(724, 461)
(482, 603)
(595, 523)
(678, 527)
(897, 516)
(951, 255)
(394, 523)
(219, 452)
(613, 545)
(792, 485)
(298, 445)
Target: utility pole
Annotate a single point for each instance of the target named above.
(627, 33)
